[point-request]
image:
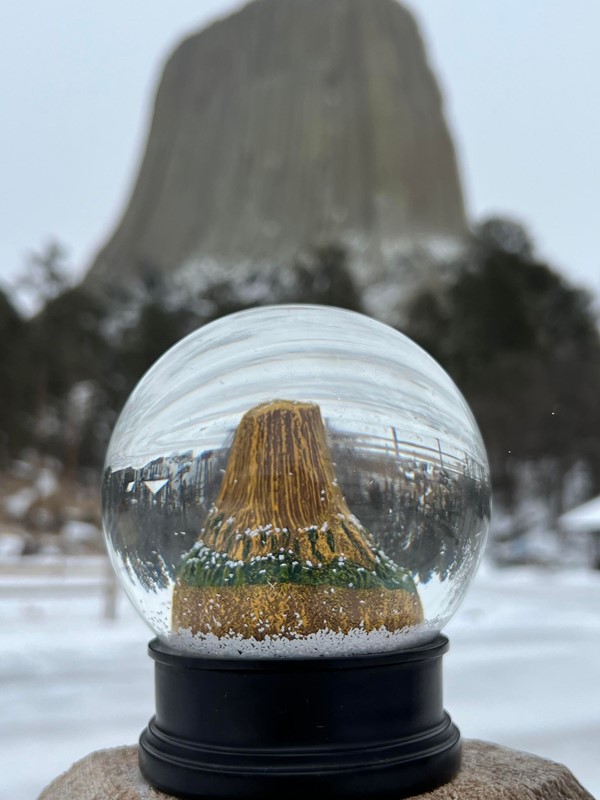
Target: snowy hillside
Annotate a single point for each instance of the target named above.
(523, 671)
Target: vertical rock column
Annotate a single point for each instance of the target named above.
(281, 554)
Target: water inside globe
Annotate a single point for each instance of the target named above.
(296, 482)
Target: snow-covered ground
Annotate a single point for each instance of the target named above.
(523, 670)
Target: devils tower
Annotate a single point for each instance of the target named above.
(280, 553)
(290, 123)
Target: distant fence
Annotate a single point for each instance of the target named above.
(67, 576)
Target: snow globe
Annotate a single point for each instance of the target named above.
(295, 499)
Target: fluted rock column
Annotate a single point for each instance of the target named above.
(287, 124)
(281, 554)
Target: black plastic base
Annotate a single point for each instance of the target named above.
(356, 727)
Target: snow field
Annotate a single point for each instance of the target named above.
(523, 670)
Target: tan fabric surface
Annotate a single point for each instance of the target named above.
(489, 772)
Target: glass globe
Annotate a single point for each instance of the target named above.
(296, 481)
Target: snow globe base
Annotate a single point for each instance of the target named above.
(351, 727)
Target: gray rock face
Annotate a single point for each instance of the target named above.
(290, 123)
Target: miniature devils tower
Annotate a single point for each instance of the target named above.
(281, 554)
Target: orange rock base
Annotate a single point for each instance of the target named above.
(289, 611)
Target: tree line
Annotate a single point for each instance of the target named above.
(520, 341)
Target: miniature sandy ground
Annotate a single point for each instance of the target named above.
(489, 772)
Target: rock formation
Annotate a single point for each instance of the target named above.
(489, 772)
(281, 554)
(287, 124)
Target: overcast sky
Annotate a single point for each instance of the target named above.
(521, 80)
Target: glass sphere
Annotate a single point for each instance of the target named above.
(296, 481)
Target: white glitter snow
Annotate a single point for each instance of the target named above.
(324, 643)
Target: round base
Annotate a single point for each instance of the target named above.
(361, 726)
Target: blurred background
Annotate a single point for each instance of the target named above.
(432, 165)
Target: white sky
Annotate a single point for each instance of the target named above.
(77, 80)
